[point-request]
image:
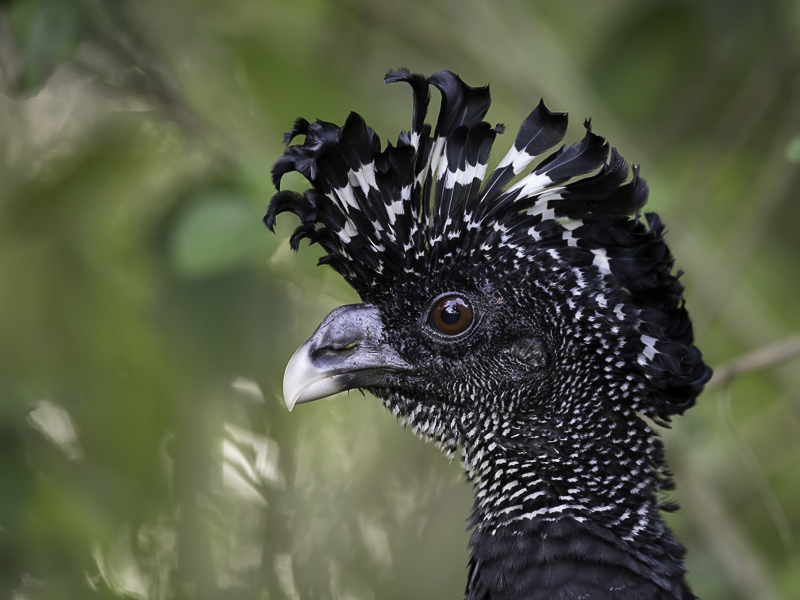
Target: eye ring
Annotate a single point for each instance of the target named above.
(452, 315)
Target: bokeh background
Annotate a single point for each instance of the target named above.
(146, 315)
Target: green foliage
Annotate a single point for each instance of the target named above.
(42, 34)
(216, 233)
(146, 315)
(793, 150)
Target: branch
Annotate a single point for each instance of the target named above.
(768, 356)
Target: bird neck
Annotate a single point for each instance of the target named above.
(547, 496)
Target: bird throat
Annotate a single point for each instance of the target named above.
(549, 502)
(552, 501)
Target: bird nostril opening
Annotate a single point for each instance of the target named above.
(333, 350)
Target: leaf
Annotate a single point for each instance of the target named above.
(217, 233)
(793, 150)
(45, 33)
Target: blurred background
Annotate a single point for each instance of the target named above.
(146, 315)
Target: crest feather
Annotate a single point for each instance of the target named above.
(381, 214)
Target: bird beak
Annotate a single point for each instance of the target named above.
(348, 350)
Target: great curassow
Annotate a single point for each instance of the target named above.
(529, 317)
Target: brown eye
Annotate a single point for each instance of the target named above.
(452, 315)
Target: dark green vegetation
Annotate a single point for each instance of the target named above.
(143, 305)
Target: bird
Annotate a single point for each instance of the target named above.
(528, 318)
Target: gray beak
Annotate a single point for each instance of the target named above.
(347, 351)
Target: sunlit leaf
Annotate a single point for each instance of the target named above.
(216, 233)
(793, 150)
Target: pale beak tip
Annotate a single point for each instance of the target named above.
(355, 357)
(292, 388)
(292, 399)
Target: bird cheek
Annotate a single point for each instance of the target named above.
(531, 351)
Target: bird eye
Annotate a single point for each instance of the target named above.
(452, 315)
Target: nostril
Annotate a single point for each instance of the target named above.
(333, 349)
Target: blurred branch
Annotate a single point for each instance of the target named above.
(131, 61)
(105, 39)
(762, 358)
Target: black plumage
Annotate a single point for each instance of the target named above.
(530, 318)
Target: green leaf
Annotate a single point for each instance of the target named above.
(217, 233)
(45, 34)
(793, 150)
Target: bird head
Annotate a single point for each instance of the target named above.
(502, 302)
